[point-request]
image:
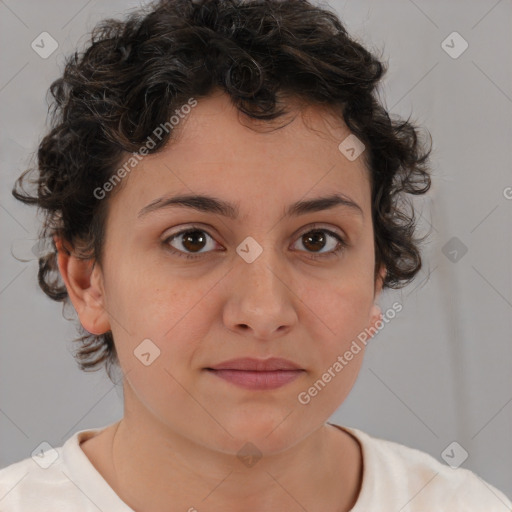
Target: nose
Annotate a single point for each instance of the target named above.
(261, 301)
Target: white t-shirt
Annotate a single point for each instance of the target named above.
(395, 478)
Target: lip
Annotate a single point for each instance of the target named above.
(257, 374)
(257, 365)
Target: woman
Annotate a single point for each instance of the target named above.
(224, 193)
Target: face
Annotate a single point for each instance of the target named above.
(205, 287)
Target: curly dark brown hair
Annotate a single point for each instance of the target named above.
(135, 73)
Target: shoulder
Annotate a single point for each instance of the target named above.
(413, 480)
(24, 484)
(59, 478)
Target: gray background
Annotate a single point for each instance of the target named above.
(440, 371)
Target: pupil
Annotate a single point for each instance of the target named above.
(315, 238)
(190, 239)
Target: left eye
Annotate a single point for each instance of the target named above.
(317, 240)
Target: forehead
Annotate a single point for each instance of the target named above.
(216, 150)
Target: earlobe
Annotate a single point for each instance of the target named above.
(375, 314)
(84, 283)
(379, 282)
(376, 311)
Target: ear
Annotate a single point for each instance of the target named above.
(379, 282)
(376, 312)
(84, 283)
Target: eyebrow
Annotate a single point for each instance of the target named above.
(209, 204)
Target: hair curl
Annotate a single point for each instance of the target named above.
(135, 73)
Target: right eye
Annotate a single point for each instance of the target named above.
(189, 242)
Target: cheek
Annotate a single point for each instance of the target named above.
(148, 300)
(340, 307)
(341, 317)
(156, 326)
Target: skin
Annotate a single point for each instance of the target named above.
(176, 447)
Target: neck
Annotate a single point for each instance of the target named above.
(152, 471)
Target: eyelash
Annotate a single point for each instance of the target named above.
(342, 244)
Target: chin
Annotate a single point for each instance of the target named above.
(270, 433)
